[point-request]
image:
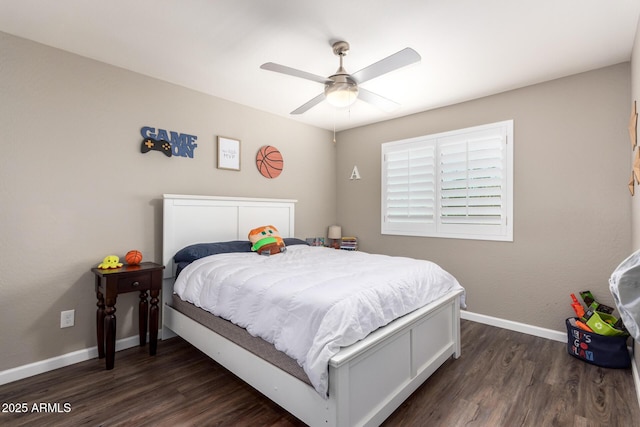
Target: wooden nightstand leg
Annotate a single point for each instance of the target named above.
(143, 314)
(100, 324)
(110, 331)
(153, 322)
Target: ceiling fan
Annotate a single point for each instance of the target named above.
(342, 89)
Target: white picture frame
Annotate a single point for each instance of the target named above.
(228, 153)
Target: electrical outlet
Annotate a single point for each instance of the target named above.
(67, 318)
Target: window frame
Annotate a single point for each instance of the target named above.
(492, 222)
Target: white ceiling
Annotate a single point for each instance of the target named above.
(469, 48)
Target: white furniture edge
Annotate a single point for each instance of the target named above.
(367, 381)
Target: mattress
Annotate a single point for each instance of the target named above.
(241, 337)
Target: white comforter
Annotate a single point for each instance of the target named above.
(310, 301)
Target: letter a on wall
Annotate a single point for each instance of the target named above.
(355, 174)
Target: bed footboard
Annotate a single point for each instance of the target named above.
(373, 377)
(367, 380)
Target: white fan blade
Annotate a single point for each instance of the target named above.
(400, 59)
(312, 103)
(377, 100)
(292, 72)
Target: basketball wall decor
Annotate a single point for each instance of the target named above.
(269, 161)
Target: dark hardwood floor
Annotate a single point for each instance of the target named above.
(503, 378)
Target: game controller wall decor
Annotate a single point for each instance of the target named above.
(167, 142)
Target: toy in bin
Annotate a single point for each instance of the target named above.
(577, 307)
(594, 305)
(603, 323)
(597, 317)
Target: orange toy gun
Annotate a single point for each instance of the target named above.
(577, 307)
(578, 324)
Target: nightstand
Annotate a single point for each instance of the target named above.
(146, 277)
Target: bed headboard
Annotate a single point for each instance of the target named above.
(201, 219)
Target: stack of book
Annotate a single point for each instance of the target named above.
(349, 243)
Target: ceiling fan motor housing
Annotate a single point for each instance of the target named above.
(341, 90)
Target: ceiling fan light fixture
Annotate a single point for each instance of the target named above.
(342, 92)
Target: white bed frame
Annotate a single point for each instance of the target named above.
(367, 380)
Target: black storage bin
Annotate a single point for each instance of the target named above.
(600, 350)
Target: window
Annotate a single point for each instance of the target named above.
(456, 184)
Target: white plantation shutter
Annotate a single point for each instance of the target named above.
(472, 182)
(456, 184)
(408, 174)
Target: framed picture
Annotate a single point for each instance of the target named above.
(228, 153)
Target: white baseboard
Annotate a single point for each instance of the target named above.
(515, 326)
(25, 371)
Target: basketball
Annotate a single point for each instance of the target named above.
(269, 161)
(133, 257)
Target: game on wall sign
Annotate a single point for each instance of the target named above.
(167, 142)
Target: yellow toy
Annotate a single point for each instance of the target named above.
(110, 261)
(266, 240)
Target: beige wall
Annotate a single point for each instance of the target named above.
(74, 186)
(635, 96)
(572, 221)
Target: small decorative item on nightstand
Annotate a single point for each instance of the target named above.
(133, 257)
(334, 235)
(315, 241)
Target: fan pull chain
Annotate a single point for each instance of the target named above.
(334, 126)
